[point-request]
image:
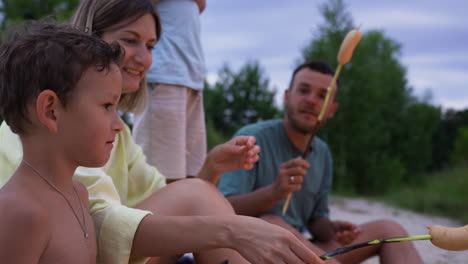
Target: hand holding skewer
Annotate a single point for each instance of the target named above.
(344, 55)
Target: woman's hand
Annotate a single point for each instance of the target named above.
(261, 242)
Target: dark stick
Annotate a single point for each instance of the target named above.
(305, 154)
(308, 149)
(342, 250)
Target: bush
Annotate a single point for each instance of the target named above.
(443, 193)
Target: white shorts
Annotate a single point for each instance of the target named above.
(171, 130)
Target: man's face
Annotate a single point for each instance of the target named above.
(305, 98)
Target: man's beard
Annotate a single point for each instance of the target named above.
(297, 124)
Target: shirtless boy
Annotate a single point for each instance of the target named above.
(59, 89)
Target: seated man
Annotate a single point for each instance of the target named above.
(262, 191)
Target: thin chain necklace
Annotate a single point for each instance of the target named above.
(83, 226)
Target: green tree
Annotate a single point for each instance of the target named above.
(16, 11)
(460, 152)
(369, 135)
(444, 139)
(239, 98)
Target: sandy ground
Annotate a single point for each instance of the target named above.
(361, 210)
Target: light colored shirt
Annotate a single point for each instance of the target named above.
(114, 189)
(311, 201)
(178, 56)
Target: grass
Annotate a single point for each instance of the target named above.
(444, 193)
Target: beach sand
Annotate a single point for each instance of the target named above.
(361, 210)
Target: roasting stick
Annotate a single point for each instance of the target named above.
(343, 250)
(452, 239)
(344, 55)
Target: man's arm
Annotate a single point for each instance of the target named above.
(258, 201)
(325, 230)
(322, 229)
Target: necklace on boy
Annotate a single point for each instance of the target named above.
(83, 226)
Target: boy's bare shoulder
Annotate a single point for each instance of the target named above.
(22, 212)
(25, 224)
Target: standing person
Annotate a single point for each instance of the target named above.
(171, 129)
(65, 116)
(136, 216)
(261, 192)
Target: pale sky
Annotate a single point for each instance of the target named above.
(433, 35)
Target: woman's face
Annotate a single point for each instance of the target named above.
(138, 39)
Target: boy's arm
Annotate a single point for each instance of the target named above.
(23, 231)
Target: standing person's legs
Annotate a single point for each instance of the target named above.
(192, 197)
(196, 132)
(161, 129)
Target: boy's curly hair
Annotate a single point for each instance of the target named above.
(40, 56)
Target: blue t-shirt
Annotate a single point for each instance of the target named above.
(306, 204)
(178, 56)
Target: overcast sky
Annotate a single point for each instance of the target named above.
(433, 35)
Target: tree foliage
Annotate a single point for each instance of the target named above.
(381, 134)
(459, 155)
(17, 11)
(239, 98)
(444, 139)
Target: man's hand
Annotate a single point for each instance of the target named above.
(291, 176)
(345, 232)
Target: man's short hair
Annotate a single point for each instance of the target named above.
(40, 56)
(314, 65)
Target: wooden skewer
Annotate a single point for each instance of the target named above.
(344, 55)
(317, 126)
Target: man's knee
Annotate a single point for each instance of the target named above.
(388, 228)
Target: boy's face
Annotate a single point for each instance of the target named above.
(89, 123)
(138, 39)
(305, 98)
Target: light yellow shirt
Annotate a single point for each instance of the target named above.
(114, 189)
